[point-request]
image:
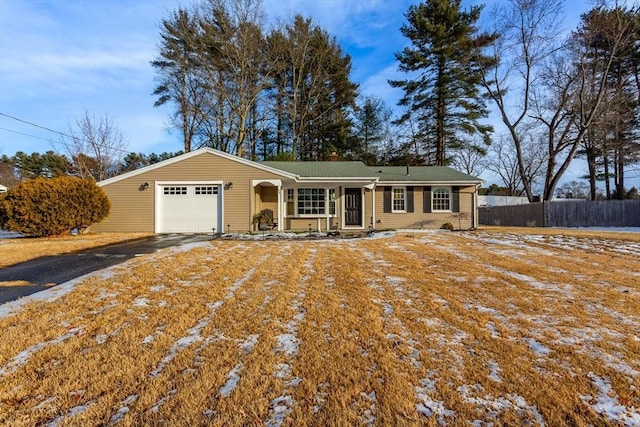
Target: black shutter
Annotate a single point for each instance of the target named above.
(409, 199)
(426, 200)
(455, 201)
(387, 200)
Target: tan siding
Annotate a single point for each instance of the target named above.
(133, 210)
(368, 208)
(302, 224)
(269, 199)
(418, 219)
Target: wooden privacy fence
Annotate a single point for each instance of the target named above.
(574, 213)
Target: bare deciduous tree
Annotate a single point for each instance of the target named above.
(96, 147)
(558, 91)
(530, 31)
(470, 157)
(503, 162)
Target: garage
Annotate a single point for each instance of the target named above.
(188, 207)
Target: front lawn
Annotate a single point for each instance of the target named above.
(463, 328)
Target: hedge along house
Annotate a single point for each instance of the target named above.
(208, 191)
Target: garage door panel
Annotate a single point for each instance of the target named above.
(189, 208)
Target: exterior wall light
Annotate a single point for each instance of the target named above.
(143, 186)
(228, 186)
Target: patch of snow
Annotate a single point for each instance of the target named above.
(279, 409)
(283, 371)
(181, 343)
(158, 288)
(368, 416)
(537, 347)
(494, 375)
(494, 330)
(249, 343)
(21, 358)
(395, 280)
(9, 234)
(124, 410)
(429, 407)
(70, 414)
(607, 403)
(476, 395)
(140, 302)
(287, 344)
(155, 408)
(233, 376)
(53, 293)
(388, 309)
(480, 308)
(119, 415)
(320, 397)
(149, 338)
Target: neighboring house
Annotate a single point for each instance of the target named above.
(208, 189)
(3, 189)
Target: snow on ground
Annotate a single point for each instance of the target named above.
(390, 292)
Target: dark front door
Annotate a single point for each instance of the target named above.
(353, 206)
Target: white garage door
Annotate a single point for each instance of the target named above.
(189, 208)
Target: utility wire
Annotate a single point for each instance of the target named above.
(25, 134)
(54, 131)
(38, 126)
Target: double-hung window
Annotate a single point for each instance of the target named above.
(311, 201)
(398, 199)
(441, 199)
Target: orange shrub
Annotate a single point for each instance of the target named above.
(48, 207)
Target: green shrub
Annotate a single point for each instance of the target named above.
(49, 207)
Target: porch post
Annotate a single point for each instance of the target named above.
(373, 208)
(280, 216)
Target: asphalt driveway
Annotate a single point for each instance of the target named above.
(42, 272)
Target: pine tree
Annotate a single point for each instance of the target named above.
(442, 93)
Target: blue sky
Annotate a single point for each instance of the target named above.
(59, 58)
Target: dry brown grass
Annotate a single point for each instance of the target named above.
(415, 329)
(14, 251)
(575, 232)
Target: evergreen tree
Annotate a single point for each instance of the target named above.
(34, 165)
(370, 126)
(443, 61)
(177, 69)
(312, 93)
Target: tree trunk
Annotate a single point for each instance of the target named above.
(607, 183)
(440, 158)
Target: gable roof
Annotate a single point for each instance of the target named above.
(422, 175)
(190, 154)
(327, 170)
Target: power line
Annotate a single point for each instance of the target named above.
(66, 144)
(39, 126)
(25, 134)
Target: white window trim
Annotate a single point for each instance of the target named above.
(433, 192)
(404, 191)
(326, 213)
